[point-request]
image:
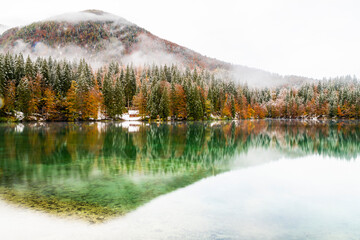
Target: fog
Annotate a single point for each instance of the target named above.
(147, 51)
(259, 78)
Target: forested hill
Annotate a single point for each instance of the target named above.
(101, 37)
(104, 36)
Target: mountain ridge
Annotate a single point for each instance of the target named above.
(101, 37)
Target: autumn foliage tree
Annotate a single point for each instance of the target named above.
(50, 110)
(10, 96)
(71, 106)
(63, 90)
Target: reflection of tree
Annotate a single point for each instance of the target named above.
(175, 148)
(106, 165)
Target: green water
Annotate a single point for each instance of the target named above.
(121, 166)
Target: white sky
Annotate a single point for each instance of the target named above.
(313, 38)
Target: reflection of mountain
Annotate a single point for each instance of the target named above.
(114, 170)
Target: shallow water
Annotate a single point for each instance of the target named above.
(226, 180)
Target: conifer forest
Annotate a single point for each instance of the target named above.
(59, 90)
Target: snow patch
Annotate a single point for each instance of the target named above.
(101, 116)
(19, 115)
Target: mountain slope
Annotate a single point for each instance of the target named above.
(101, 37)
(95, 34)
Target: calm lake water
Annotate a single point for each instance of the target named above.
(219, 180)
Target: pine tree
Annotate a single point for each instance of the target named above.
(130, 85)
(45, 72)
(198, 111)
(57, 85)
(99, 77)
(154, 101)
(233, 110)
(173, 100)
(119, 101)
(9, 68)
(19, 67)
(2, 76)
(108, 95)
(65, 78)
(164, 109)
(24, 96)
(29, 69)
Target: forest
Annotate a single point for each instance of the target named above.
(59, 90)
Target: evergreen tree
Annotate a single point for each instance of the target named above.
(29, 69)
(66, 77)
(24, 96)
(154, 101)
(108, 95)
(173, 100)
(9, 68)
(164, 109)
(197, 112)
(130, 85)
(19, 67)
(119, 102)
(2, 76)
(99, 76)
(233, 110)
(45, 72)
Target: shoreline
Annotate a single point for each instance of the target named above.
(12, 120)
(87, 212)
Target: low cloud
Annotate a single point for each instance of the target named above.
(145, 52)
(256, 78)
(150, 51)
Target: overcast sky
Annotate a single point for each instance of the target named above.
(314, 38)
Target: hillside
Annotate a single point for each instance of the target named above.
(101, 37)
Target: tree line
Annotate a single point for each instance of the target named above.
(60, 90)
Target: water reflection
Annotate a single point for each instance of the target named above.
(122, 166)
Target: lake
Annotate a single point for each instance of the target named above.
(251, 179)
